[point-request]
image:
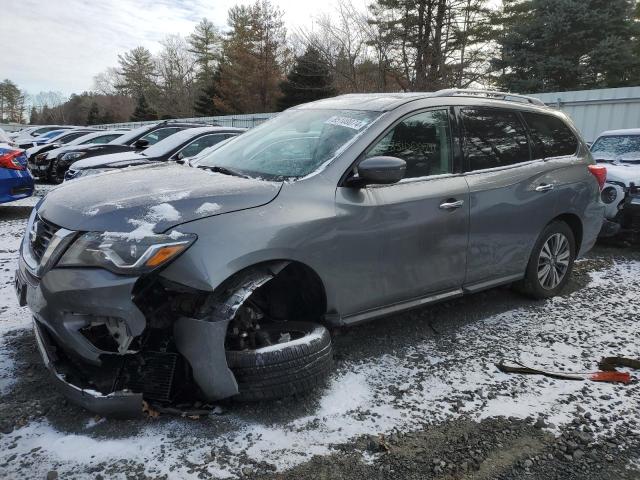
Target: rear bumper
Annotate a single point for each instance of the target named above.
(14, 185)
(117, 404)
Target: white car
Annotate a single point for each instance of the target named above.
(619, 151)
(5, 139)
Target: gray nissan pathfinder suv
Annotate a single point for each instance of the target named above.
(181, 283)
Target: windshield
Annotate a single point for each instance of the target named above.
(172, 142)
(616, 147)
(130, 136)
(291, 145)
(51, 134)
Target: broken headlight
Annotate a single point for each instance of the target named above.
(120, 253)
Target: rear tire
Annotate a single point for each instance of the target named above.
(551, 262)
(284, 369)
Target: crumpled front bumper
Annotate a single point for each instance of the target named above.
(116, 404)
(64, 301)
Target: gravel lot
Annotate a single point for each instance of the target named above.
(412, 396)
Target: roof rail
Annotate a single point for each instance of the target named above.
(468, 92)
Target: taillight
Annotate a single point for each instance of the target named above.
(11, 160)
(600, 173)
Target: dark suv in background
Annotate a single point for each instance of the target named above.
(219, 281)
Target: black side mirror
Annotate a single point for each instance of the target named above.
(378, 171)
(140, 144)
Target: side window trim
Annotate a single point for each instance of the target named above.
(466, 163)
(457, 166)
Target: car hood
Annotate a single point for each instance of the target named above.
(151, 198)
(111, 160)
(38, 149)
(625, 173)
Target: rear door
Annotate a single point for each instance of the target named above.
(407, 240)
(511, 196)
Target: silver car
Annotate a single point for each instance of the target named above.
(176, 283)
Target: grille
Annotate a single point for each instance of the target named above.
(70, 174)
(40, 236)
(151, 373)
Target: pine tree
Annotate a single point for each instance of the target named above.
(137, 73)
(33, 116)
(205, 104)
(551, 45)
(143, 111)
(308, 80)
(93, 117)
(250, 69)
(205, 43)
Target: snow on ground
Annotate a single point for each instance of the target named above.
(427, 383)
(12, 317)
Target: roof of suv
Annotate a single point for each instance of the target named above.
(382, 102)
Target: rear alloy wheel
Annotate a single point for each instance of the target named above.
(551, 261)
(298, 359)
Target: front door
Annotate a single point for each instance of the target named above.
(407, 240)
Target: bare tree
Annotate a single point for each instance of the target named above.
(106, 83)
(176, 69)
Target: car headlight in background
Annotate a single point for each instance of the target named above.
(124, 254)
(90, 171)
(609, 194)
(72, 156)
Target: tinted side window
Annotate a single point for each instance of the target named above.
(493, 138)
(72, 136)
(423, 141)
(550, 136)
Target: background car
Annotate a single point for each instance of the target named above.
(134, 140)
(26, 137)
(619, 150)
(63, 137)
(6, 139)
(179, 146)
(15, 180)
(41, 164)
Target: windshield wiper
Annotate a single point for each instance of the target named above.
(223, 170)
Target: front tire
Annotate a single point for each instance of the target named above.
(53, 173)
(284, 369)
(551, 262)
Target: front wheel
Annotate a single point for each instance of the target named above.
(551, 262)
(54, 173)
(298, 360)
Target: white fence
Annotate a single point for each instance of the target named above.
(594, 111)
(242, 121)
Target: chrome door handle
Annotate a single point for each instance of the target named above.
(451, 205)
(545, 187)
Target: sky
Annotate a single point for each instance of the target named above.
(60, 45)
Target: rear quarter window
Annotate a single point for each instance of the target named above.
(550, 136)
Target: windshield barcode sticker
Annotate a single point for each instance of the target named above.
(347, 122)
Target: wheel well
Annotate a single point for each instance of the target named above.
(295, 289)
(575, 224)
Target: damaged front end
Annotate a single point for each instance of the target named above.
(114, 340)
(624, 222)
